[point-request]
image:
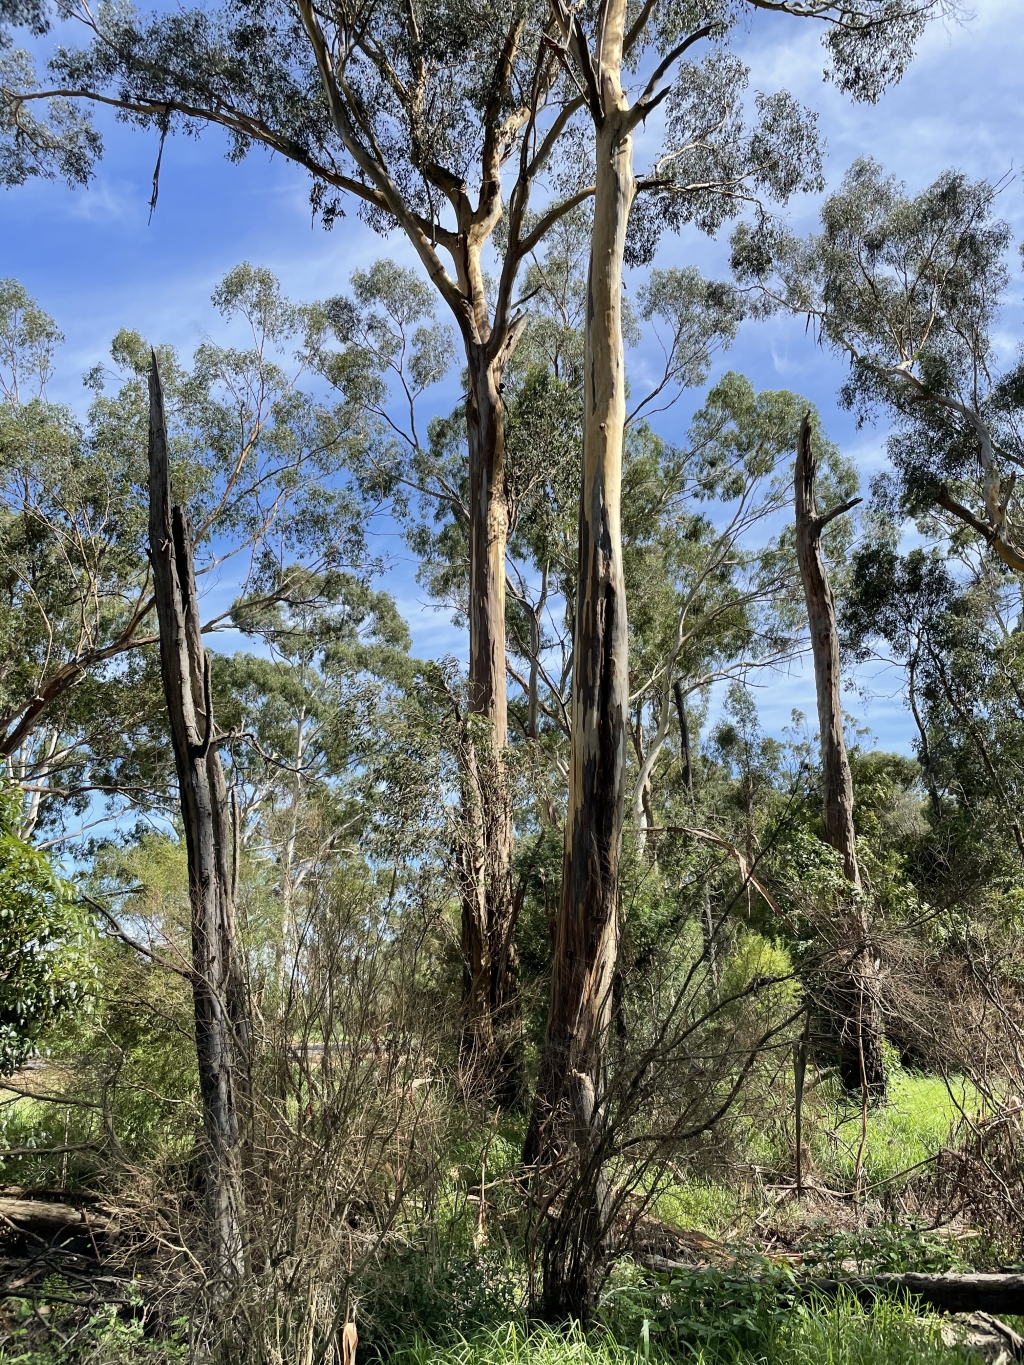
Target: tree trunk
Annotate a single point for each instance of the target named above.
(41, 1214)
(217, 980)
(855, 989)
(286, 943)
(491, 1044)
(536, 638)
(685, 756)
(488, 535)
(570, 1114)
(948, 1293)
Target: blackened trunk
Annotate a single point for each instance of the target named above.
(217, 980)
(684, 738)
(491, 1029)
(570, 1115)
(854, 991)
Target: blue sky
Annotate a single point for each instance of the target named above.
(92, 260)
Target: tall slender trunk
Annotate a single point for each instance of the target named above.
(571, 1101)
(488, 532)
(287, 942)
(218, 987)
(491, 1043)
(490, 1008)
(855, 991)
(536, 638)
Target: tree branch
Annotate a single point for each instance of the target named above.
(822, 521)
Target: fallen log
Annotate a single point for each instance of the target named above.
(50, 1193)
(949, 1293)
(40, 1213)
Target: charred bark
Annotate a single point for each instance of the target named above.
(685, 756)
(853, 989)
(569, 1124)
(218, 987)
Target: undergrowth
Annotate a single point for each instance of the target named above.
(841, 1333)
(444, 1300)
(52, 1332)
(902, 1136)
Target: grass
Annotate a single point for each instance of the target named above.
(834, 1334)
(910, 1127)
(737, 1330)
(727, 1318)
(906, 1131)
(844, 1334)
(701, 1205)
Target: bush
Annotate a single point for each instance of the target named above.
(417, 1296)
(59, 1333)
(45, 944)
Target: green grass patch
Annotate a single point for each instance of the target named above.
(909, 1128)
(701, 1205)
(840, 1333)
(843, 1333)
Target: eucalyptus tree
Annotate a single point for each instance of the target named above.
(308, 731)
(428, 120)
(855, 986)
(74, 594)
(952, 623)
(694, 318)
(416, 116)
(711, 585)
(255, 458)
(710, 161)
(837, 781)
(909, 289)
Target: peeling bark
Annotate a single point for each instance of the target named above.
(491, 1059)
(218, 986)
(570, 1114)
(854, 992)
